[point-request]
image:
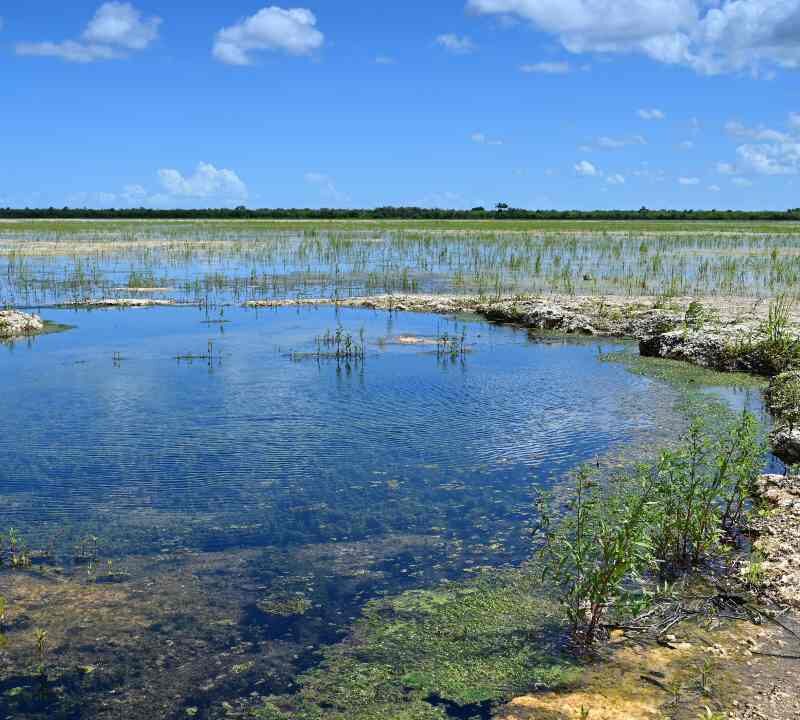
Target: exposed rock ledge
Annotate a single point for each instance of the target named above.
(779, 537)
(18, 324)
(119, 302)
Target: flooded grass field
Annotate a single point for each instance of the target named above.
(226, 510)
(44, 263)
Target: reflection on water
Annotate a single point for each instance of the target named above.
(246, 506)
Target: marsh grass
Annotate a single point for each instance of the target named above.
(214, 263)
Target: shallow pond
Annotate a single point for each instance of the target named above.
(222, 516)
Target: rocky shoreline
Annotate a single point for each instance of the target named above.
(16, 324)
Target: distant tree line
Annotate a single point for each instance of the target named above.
(500, 212)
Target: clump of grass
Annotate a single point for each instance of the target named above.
(341, 345)
(783, 398)
(14, 552)
(284, 605)
(773, 348)
(451, 346)
(699, 315)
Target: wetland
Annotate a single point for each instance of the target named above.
(241, 482)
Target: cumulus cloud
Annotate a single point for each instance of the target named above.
(459, 45)
(116, 29)
(708, 36)
(292, 31)
(742, 182)
(768, 152)
(651, 114)
(714, 188)
(689, 181)
(794, 120)
(616, 179)
(547, 68)
(586, 169)
(207, 181)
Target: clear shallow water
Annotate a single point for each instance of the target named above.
(219, 487)
(260, 449)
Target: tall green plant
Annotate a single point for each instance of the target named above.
(663, 517)
(595, 552)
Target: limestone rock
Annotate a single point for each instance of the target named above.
(17, 324)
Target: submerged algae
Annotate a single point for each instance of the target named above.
(438, 653)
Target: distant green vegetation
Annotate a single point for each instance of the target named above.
(501, 211)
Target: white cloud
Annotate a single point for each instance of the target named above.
(291, 31)
(460, 45)
(547, 68)
(686, 145)
(586, 169)
(714, 188)
(610, 143)
(794, 120)
(385, 60)
(689, 181)
(709, 36)
(742, 182)
(327, 187)
(482, 139)
(615, 179)
(122, 25)
(207, 181)
(770, 152)
(115, 29)
(724, 168)
(650, 114)
(736, 129)
(780, 158)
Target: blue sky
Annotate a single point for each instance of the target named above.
(538, 103)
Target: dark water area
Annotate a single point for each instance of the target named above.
(226, 515)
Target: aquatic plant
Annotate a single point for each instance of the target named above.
(284, 605)
(664, 517)
(451, 346)
(702, 491)
(599, 546)
(411, 657)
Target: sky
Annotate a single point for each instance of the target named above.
(584, 104)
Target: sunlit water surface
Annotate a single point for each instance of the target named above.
(338, 480)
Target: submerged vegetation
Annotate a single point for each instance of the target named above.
(421, 654)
